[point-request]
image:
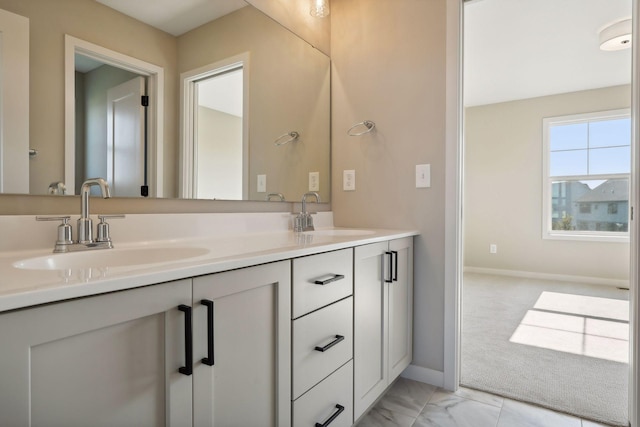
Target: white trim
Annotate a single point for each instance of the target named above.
(550, 276)
(453, 197)
(14, 103)
(155, 90)
(634, 230)
(188, 148)
(424, 375)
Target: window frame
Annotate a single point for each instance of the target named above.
(547, 180)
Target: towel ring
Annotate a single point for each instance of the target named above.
(368, 124)
(293, 135)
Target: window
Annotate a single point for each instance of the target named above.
(587, 162)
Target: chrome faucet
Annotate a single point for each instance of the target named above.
(304, 221)
(85, 239)
(85, 225)
(278, 195)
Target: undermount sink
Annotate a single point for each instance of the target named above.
(340, 232)
(105, 258)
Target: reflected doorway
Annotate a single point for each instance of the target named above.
(215, 130)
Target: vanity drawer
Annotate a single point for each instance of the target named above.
(329, 329)
(334, 269)
(327, 399)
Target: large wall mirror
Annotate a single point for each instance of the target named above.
(239, 105)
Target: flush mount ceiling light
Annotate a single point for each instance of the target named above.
(616, 36)
(319, 8)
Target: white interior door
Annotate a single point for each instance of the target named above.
(125, 138)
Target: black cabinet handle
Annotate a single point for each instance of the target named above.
(188, 340)
(331, 344)
(395, 269)
(209, 360)
(390, 279)
(333, 278)
(339, 408)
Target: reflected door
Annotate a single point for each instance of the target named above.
(126, 160)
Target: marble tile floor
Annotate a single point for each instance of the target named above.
(414, 404)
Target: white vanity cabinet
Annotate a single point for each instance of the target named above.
(120, 359)
(244, 316)
(322, 318)
(383, 317)
(100, 361)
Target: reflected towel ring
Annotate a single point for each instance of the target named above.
(368, 124)
(293, 135)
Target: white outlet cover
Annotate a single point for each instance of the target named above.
(423, 176)
(314, 181)
(349, 180)
(262, 184)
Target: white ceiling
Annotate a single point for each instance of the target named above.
(518, 49)
(175, 17)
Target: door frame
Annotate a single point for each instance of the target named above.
(188, 121)
(155, 91)
(453, 207)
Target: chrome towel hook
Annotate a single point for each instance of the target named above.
(293, 135)
(367, 124)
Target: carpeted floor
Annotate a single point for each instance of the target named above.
(559, 345)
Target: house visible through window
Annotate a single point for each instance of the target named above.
(587, 162)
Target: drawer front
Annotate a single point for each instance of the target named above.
(329, 329)
(326, 400)
(326, 268)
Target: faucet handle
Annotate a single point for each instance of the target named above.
(103, 227)
(64, 229)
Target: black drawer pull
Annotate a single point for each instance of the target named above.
(331, 344)
(188, 341)
(395, 270)
(209, 360)
(339, 408)
(333, 278)
(390, 279)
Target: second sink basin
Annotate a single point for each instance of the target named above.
(104, 258)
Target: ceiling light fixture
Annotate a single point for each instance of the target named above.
(319, 8)
(616, 36)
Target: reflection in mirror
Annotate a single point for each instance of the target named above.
(279, 98)
(287, 86)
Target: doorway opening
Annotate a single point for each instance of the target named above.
(215, 130)
(547, 161)
(127, 147)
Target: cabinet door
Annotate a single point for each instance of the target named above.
(249, 384)
(401, 307)
(108, 360)
(370, 325)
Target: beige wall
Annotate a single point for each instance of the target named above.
(389, 66)
(219, 155)
(503, 189)
(91, 21)
(288, 91)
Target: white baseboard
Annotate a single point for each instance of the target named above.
(549, 276)
(424, 375)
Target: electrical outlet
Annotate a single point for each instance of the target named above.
(493, 248)
(349, 180)
(262, 184)
(314, 181)
(423, 176)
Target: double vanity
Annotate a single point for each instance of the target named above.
(203, 320)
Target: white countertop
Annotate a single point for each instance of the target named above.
(218, 250)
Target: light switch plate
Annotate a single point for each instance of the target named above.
(262, 184)
(349, 180)
(314, 181)
(423, 176)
